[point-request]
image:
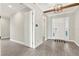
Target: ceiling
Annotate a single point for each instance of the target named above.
(47, 6)
(65, 11)
(8, 9)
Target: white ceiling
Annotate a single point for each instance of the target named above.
(5, 9)
(65, 11)
(47, 6)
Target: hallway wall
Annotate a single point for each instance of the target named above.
(5, 27)
(17, 27)
(28, 28)
(20, 28)
(38, 31)
(49, 27)
(77, 26)
(72, 27)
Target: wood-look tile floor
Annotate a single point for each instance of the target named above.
(48, 48)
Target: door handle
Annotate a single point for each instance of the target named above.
(53, 34)
(66, 33)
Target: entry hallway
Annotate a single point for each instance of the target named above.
(48, 48)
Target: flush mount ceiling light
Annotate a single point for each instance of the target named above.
(58, 8)
(10, 6)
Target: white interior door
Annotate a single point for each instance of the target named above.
(59, 28)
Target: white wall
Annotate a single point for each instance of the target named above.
(72, 27)
(28, 28)
(45, 26)
(20, 28)
(38, 32)
(49, 27)
(5, 27)
(17, 27)
(77, 26)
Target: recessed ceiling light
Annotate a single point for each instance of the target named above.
(10, 6)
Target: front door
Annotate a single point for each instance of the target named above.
(59, 28)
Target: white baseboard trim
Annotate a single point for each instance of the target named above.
(51, 38)
(5, 38)
(19, 42)
(76, 43)
(38, 44)
(69, 41)
(72, 41)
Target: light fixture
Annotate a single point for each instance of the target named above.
(10, 6)
(58, 8)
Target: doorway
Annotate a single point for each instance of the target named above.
(60, 28)
(16, 23)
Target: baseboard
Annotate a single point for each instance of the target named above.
(51, 38)
(19, 42)
(4, 38)
(38, 44)
(70, 41)
(41, 43)
(76, 43)
(73, 41)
